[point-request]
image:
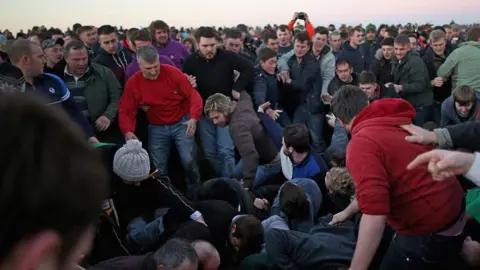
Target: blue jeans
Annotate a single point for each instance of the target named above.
(142, 236)
(217, 146)
(314, 122)
(160, 139)
(263, 172)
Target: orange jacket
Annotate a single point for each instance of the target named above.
(308, 26)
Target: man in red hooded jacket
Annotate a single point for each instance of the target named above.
(426, 215)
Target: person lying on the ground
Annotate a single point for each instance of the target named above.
(176, 253)
(139, 197)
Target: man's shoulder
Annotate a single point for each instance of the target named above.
(49, 79)
(52, 86)
(172, 71)
(191, 58)
(101, 70)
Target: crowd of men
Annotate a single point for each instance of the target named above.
(293, 147)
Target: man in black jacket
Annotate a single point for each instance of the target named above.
(411, 81)
(305, 86)
(434, 58)
(213, 70)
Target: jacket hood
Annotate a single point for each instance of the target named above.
(379, 54)
(471, 43)
(384, 112)
(113, 60)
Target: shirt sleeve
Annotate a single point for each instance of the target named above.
(127, 108)
(186, 90)
(366, 164)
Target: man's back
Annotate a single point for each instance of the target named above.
(377, 157)
(245, 120)
(464, 63)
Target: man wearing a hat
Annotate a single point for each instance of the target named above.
(53, 50)
(371, 32)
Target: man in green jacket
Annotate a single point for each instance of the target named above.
(463, 63)
(95, 89)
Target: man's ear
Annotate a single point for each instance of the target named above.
(40, 249)
(24, 60)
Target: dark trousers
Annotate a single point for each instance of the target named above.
(424, 252)
(422, 115)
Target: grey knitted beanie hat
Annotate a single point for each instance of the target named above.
(131, 162)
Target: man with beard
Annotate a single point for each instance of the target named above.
(213, 70)
(167, 46)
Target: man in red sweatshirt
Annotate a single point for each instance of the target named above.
(426, 215)
(173, 109)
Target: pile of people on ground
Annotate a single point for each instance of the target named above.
(298, 147)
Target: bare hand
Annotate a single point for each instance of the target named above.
(274, 114)
(339, 218)
(192, 80)
(419, 135)
(471, 251)
(145, 108)
(102, 123)
(388, 84)
(327, 99)
(130, 136)
(264, 106)
(191, 127)
(93, 140)
(438, 82)
(283, 76)
(295, 16)
(261, 204)
(235, 95)
(443, 164)
(398, 88)
(331, 120)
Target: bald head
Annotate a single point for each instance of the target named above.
(207, 254)
(20, 48)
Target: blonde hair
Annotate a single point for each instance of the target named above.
(341, 182)
(218, 103)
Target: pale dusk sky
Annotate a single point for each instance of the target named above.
(23, 14)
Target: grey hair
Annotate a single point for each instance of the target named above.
(147, 54)
(175, 252)
(335, 33)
